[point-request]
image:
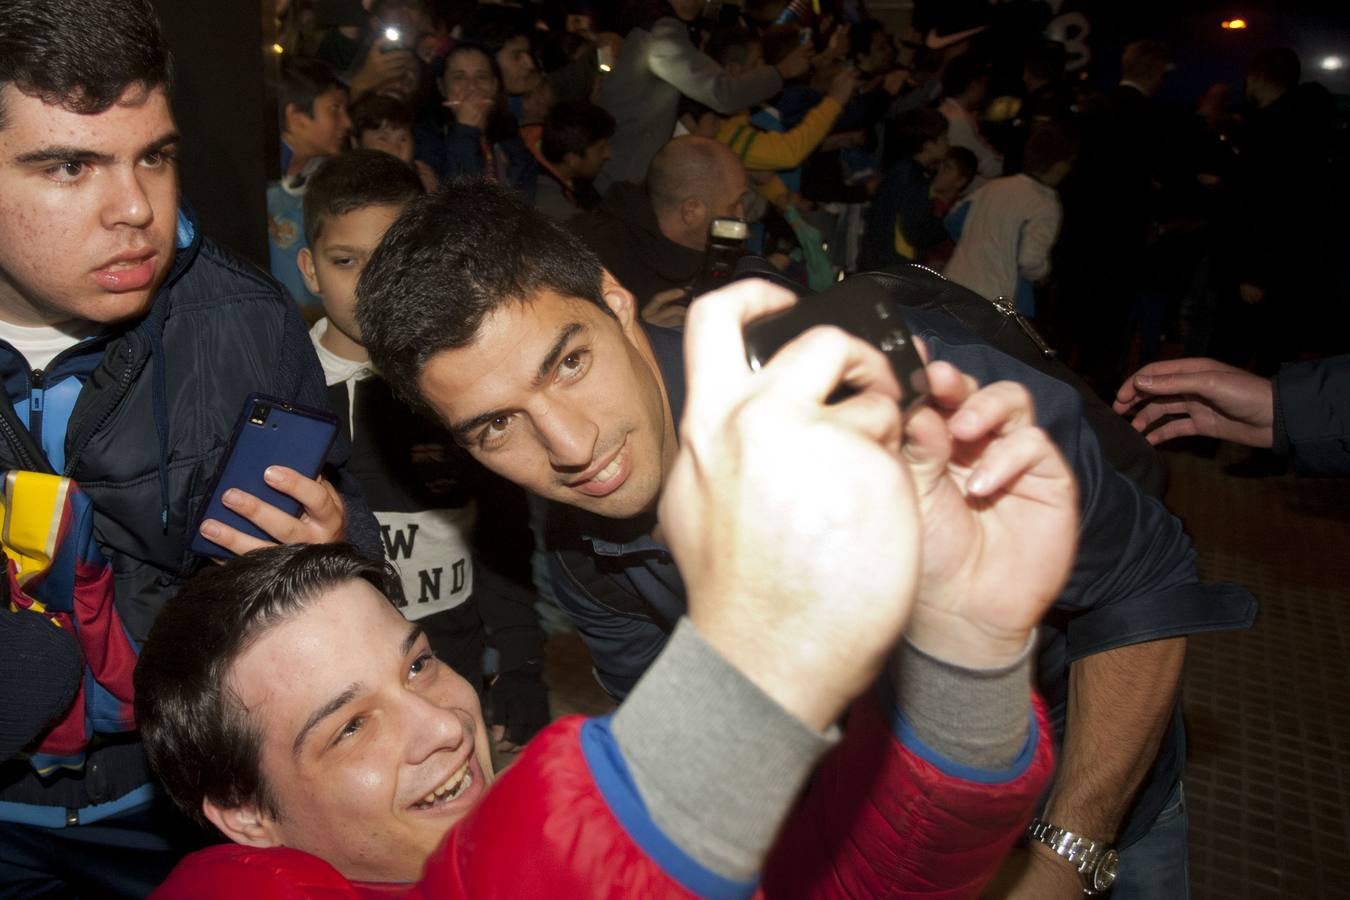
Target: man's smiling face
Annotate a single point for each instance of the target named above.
(563, 400)
(372, 748)
(88, 207)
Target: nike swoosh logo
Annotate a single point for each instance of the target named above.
(935, 41)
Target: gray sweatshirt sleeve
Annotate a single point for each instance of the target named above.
(673, 59)
(745, 758)
(977, 718)
(716, 761)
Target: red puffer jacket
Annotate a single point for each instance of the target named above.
(882, 817)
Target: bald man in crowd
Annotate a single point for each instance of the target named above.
(652, 236)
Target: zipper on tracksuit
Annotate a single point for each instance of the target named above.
(37, 397)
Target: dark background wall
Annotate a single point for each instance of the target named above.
(222, 108)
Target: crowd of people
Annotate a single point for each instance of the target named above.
(491, 246)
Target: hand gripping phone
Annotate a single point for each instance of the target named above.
(270, 432)
(861, 308)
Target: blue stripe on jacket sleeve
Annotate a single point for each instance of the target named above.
(612, 777)
(906, 735)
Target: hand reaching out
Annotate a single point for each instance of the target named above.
(1213, 399)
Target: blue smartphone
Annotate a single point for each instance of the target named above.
(270, 432)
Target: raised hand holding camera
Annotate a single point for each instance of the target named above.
(793, 520)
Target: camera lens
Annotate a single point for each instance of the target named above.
(260, 414)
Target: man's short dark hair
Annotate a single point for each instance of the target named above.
(961, 73)
(1279, 67)
(81, 54)
(1046, 60)
(199, 738)
(1144, 60)
(451, 259)
(915, 128)
(375, 111)
(778, 42)
(860, 37)
(1049, 143)
(493, 26)
(571, 127)
(354, 180)
(732, 44)
(303, 81)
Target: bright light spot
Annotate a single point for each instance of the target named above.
(392, 35)
(1333, 64)
(1234, 24)
(605, 67)
(278, 49)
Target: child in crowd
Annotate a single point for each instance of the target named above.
(572, 146)
(312, 106)
(381, 122)
(952, 181)
(425, 492)
(900, 225)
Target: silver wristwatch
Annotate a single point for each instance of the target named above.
(1095, 861)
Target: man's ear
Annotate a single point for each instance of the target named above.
(291, 116)
(304, 261)
(242, 824)
(619, 299)
(691, 211)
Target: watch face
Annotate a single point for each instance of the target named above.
(1105, 873)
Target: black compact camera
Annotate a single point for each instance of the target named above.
(858, 306)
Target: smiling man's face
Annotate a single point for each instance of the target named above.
(88, 207)
(371, 747)
(563, 400)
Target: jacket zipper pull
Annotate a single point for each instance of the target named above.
(37, 396)
(1005, 306)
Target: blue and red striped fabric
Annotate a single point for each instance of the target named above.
(56, 568)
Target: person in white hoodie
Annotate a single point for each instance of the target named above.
(457, 536)
(1006, 230)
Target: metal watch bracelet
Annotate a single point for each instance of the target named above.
(1095, 861)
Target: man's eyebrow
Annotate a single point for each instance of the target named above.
(565, 336)
(324, 712)
(555, 352)
(58, 153)
(413, 634)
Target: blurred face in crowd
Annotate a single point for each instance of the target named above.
(687, 10)
(932, 152)
(371, 746)
(949, 180)
(321, 131)
(517, 65)
(880, 56)
(396, 140)
(333, 265)
(88, 207)
(563, 400)
(589, 164)
(469, 76)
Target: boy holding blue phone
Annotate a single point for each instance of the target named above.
(430, 498)
(128, 342)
